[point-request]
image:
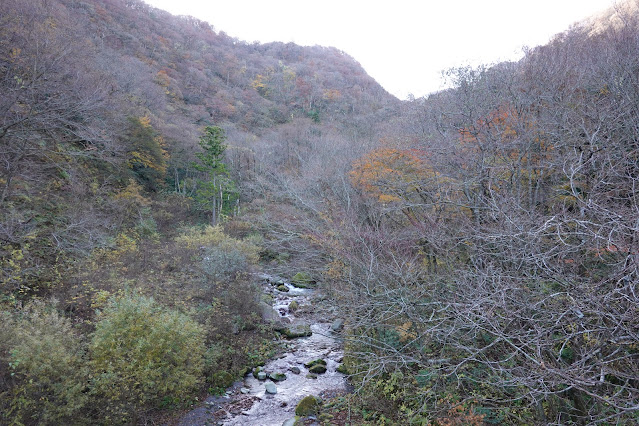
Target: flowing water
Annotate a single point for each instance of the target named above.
(247, 402)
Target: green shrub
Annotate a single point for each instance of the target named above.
(144, 354)
(46, 368)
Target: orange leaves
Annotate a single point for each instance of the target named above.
(507, 134)
(163, 79)
(387, 173)
(408, 181)
(388, 198)
(499, 125)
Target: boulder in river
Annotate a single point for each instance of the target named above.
(277, 377)
(300, 330)
(308, 406)
(317, 369)
(318, 361)
(268, 313)
(256, 371)
(261, 375)
(302, 280)
(282, 288)
(270, 388)
(295, 370)
(337, 325)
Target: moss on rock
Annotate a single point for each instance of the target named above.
(222, 379)
(277, 377)
(318, 369)
(342, 369)
(318, 361)
(308, 406)
(297, 331)
(302, 280)
(256, 370)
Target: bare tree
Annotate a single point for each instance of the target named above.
(515, 276)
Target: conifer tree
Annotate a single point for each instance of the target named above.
(217, 190)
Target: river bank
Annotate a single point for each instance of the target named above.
(270, 398)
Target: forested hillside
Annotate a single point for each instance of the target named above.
(480, 242)
(488, 255)
(131, 141)
(98, 95)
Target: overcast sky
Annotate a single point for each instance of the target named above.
(403, 44)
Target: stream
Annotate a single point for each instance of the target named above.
(247, 402)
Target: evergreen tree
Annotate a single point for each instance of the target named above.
(216, 192)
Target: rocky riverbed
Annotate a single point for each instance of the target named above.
(270, 394)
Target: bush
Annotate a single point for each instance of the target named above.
(221, 263)
(144, 354)
(46, 369)
(213, 236)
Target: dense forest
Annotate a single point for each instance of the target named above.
(481, 242)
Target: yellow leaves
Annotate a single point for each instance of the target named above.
(214, 236)
(168, 83)
(336, 269)
(388, 198)
(14, 53)
(51, 23)
(145, 160)
(125, 244)
(405, 332)
(195, 238)
(289, 74)
(132, 195)
(260, 84)
(332, 94)
(147, 156)
(145, 122)
(101, 298)
(159, 139)
(11, 263)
